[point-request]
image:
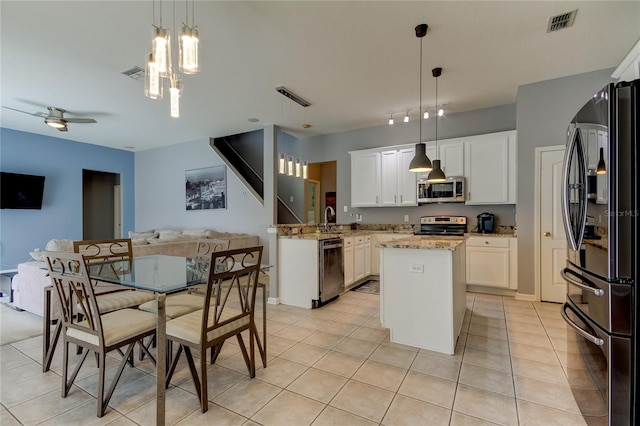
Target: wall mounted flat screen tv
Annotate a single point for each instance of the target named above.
(20, 191)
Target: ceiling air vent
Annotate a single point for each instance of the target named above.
(564, 20)
(134, 72)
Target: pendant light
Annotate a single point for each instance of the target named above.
(602, 169)
(436, 174)
(420, 162)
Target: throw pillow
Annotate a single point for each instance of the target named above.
(60, 245)
(168, 234)
(143, 235)
(38, 255)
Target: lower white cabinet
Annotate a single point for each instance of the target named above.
(358, 258)
(376, 239)
(367, 255)
(492, 261)
(347, 258)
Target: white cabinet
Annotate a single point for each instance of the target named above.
(490, 168)
(381, 178)
(451, 156)
(298, 264)
(367, 255)
(492, 261)
(376, 239)
(358, 258)
(347, 258)
(365, 178)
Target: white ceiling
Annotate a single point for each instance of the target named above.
(355, 62)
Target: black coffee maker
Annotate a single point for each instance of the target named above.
(486, 223)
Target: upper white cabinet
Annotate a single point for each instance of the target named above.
(381, 178)
(452, 157)
(629, 68)
(365, 178)
(490, 168)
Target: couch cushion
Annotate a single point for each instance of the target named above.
(143, 235)
(60, 245)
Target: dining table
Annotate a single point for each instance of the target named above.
(163, 275)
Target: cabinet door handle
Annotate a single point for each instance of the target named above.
(395, 199)
(486, 242)
(401, 199)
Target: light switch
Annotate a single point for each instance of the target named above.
(406, 218)
(346, 209)
(291, 199)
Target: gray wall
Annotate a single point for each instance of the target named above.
(544, 110)
(337, 146)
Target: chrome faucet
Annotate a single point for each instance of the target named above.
(328, 210)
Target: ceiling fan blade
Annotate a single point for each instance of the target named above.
(36, 114)
(79, 120)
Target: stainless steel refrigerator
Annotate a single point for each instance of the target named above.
(600, 211)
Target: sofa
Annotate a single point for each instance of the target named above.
(32, 277)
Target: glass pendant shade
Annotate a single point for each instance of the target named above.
(161, 47)
(282, 164)
(305, 170)
(298, 168)
(406, 117)
(436, 174)
(152, 81)
(188, 55)
(426, 115)
(420, 162)
(602, 168)
(290, 166)
(175, 91)
(391, 121)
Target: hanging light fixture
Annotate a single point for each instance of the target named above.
(426, 114)
(420, 162)
(391, 120)
(436, 175)
(188, 46)
(406, 117)
(290, 169)
(175, 90)
(602, 168)
(152, 81)
(282, 164)
(305, 170)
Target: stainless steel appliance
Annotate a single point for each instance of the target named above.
(486, 223)
(450, 191)
(602, 274)
(331, 271)
(442, 225)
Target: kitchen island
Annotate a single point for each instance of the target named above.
(423, 291)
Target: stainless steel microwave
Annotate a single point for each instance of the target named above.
(450, 191)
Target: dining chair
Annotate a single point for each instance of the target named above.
(97, 331)
(114, 255)
(227, 310)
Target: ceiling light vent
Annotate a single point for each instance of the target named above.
(134, 72)
(564, 20)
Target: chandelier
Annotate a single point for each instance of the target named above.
(159, 63)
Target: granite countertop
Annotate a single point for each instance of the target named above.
(492, 235)
(425, 242)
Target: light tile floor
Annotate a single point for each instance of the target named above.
(333, 366)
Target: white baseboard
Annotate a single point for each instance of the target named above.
(273, 300)
(527, 297)
(490, 290)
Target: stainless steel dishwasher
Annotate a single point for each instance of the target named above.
(330, 271)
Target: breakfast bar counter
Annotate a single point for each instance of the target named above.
(423, 291)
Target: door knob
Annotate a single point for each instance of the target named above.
(547, 234)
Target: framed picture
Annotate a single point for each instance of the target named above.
(206, 188)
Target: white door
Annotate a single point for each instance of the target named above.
(553, 242)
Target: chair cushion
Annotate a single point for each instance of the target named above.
(187, 327)
(109, 302)
(117, 327)
(176, 305)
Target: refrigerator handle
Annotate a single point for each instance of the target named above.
(593, 339)
(574, 240)
(595, 290)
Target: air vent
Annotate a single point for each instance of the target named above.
(134, 72)
(289, 94)
(564, 20)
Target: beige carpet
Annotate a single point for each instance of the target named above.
(16, 325)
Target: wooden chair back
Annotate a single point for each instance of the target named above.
(205, 247)
(229, 304)
(101, 251)
(69, 276)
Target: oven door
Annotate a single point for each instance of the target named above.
(598, 368)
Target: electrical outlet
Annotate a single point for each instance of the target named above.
(291, 199)
(406, 218)
(345, 209)
(358, 217)
(416, 268)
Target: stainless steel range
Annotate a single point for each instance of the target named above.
(442, 225)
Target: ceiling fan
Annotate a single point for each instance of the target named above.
(55, 118)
